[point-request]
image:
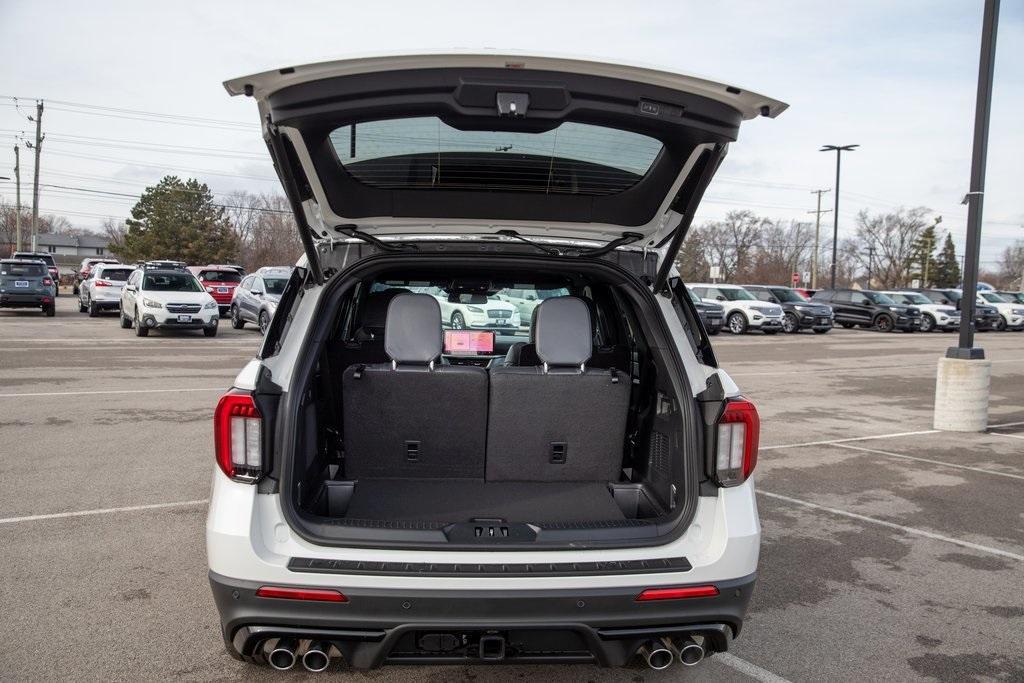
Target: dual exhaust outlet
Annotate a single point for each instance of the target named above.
(284, 655)
(659, 654)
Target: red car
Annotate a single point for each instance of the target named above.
(220, 282)
(805, 293)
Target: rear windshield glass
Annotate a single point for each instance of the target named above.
(425, 152)
(116, 274)
(23, 269)
(220, 276)
(171, 282)
(275, 285)
(36, 257)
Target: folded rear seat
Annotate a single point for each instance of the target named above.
(559, 421)
(414, 417)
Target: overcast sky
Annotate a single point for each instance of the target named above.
(898, 78)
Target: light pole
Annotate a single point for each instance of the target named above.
(839, 149)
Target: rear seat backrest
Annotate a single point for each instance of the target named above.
(414, 417)
(559, 421)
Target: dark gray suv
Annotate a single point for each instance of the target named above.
(26, 284)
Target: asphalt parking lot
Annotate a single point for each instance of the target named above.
(891, 552)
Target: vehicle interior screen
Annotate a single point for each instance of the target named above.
(468, 343)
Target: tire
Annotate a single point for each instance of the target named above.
(50, 310)
(140, 329)
(93, 310)
(737, 323)
(847, 326)
(825, 331)
(790, 324)
(236, 318)
(82, 307)
(126, 323)
(458, 321)
(264, 322)
(1001, 324)
(927, 323)
(210, 331)
(74, 290)
(884, 323)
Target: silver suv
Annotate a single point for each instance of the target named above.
(391, 488)
(256, 297)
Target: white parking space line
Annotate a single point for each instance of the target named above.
(899, 527)
(1012, 436)
(752, 670)
(929, 460)
(113, 391)
(849, 439)
(102, 511)
(847, 371)
(1006, 424)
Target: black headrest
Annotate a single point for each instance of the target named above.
(562, 329)
(375, 310)
(413, 331)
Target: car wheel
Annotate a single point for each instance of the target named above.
(789, 324)
(93, 310)
(1001, 324)
(50, 310)
(884, 323)
(126, 322)
(458, 322)
(264, 322)
(140, 329)
(847, 326)
(82, 308)
(210, 331)
(737, 323)
(236, 319)
(927, 323)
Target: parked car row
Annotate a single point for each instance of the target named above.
(773, 308)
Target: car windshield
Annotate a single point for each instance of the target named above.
(23, 269)
(737, 295)
(913, 298)
(426, 153)
(993, 298)
(275, 285)
(788, 295)
(227, 276)
(171, 282)
(878, 298)
(115, 274)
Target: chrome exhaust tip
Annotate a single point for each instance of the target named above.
(282, 657)
(689, 653)
(317, 657)
(657, 656)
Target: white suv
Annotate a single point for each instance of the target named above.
(743, 310)
(933, 316)
(1011, 314)
(166, 298)
(391, 490)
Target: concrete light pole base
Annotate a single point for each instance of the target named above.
(961, 395)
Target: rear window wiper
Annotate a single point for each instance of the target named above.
(351, 231)
(516, 236)
(627, 238)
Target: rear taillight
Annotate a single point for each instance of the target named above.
(237, 436)
(47, 281)
(739, 429)
(102, 283)
(680, 593)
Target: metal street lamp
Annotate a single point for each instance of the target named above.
(838, 149)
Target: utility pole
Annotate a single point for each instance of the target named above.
(817, 238)
(38, 147)
(17, 198)
(871, 263)
(838, 149)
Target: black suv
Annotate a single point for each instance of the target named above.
(799, 313)
(866, 308)
(710, 314)
(985, 317)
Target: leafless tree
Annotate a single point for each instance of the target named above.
(893, 236)
(265, 228)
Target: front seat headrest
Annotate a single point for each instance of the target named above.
(375, 312)
(413, 330)
(562, 329)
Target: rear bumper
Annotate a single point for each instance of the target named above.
(383, 626)
(24, 300)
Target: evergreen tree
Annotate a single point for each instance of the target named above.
(177, 220)
(947, 266)
(922, 260)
